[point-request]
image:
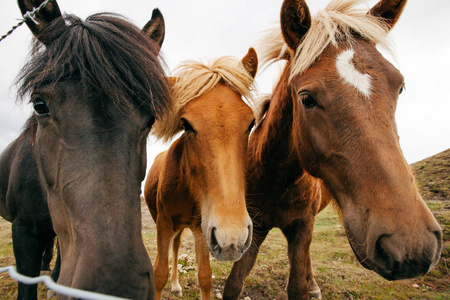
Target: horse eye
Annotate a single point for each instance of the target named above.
(402, 89)
(252, 124)
(186, 126)
(40, 107)
(307, 100)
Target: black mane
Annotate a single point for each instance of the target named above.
(108, 54)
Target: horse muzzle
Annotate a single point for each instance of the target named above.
(396, 256)
(229, 245)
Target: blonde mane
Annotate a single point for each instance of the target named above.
(194, 79)
(338, 22)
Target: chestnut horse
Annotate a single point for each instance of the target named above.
(330, 126)
(96, 87)
(199, 183)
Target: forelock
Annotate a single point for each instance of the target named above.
(341, 21)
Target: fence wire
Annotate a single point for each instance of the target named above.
(29, 15)
(57, 288)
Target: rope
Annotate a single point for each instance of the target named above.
(57, 288)
(29, 15)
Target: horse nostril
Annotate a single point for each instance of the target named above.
(396, 267)
(382, 255)
(249, 237)
(214, 244)
(438, 248)
(438, 234)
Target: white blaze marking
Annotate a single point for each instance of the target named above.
(347, 71)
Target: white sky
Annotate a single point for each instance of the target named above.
(201, 29)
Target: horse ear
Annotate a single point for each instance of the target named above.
(47, 14)
(155, 28)
(295, 21)
(388, 10)
(250, 62)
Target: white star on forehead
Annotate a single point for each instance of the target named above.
(348, 72)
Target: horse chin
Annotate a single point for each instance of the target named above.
(359, 249)
(228, 254)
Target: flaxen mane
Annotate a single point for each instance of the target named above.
(338, 22)
(193, 79)
(262, 108)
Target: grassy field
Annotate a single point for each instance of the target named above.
(338, 273)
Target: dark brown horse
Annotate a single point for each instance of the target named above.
(96, 87)
(330, 126)
(199, 183)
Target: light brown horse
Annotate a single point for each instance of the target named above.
(330, 126)
(199, 183)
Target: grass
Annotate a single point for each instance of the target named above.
(338, 273)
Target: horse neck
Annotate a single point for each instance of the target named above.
(272, 156)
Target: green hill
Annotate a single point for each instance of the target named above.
(433, 179)
(433, 176)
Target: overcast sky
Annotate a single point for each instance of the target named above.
(203, 29)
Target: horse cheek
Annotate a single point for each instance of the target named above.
(46, 149)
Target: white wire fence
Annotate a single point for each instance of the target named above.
(57, 288)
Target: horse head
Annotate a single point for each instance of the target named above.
(344, 96)
(96, 87)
